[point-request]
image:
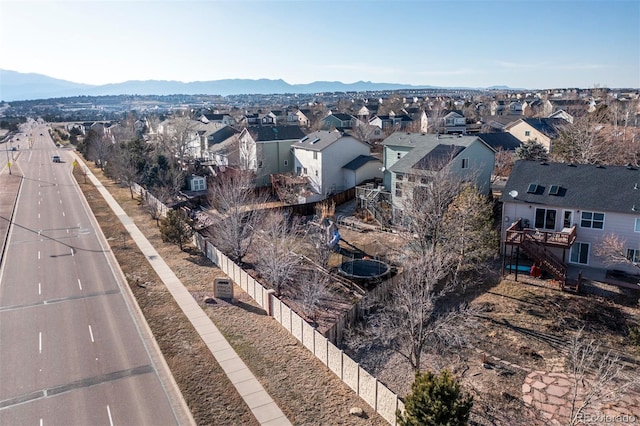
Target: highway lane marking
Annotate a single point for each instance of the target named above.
(110, 418)
(41, 423)
(79, 283)
(62, 213)
(73, 253)
(40, 342)
(38, 215)
(39, 289)
(91, 334)
(60, 201)
(38, 254)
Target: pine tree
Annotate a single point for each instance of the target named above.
(435, 401)
(176, 228)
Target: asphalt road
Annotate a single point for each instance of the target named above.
(71, 352)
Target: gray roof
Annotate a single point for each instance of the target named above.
(503, 140)
(360, 161)
(272, 133)
(581, 186)
(317, 141)
(428, 150)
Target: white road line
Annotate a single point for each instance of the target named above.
(60, 201)
(41, 422)
(91, 334)
(40, 342)
(62, 213)
(80, 285)
(38, 254)
(110, 418)
(39, 289)
(38, 215)
(38, 202)
(73, 253)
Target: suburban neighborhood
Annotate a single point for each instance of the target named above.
(357, 220)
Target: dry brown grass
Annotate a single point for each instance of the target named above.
(306, 391)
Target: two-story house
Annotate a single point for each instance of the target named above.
(334, 162)
(411, 159)
(272, 148)
(557, 214)
(338, 121)
(541, 130)
(454, 122)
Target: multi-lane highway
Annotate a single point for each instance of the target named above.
(71, 349)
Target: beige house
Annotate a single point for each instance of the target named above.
(541, 130)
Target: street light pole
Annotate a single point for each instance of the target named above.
(8, 161)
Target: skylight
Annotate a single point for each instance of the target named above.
(554, 190)
(533, 188)
(304, 139)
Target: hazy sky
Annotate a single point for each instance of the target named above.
(519, 43)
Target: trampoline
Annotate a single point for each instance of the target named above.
(364, 269)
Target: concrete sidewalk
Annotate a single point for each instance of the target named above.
(261, 404)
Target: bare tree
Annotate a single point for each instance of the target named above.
(425, 206)
(238, 205)
(584, 141)
(178, 137)
(612, 250)
(277, 247)
(412, 319)
(313, 287)
(596, 375)
(99, 147)
(503, 164)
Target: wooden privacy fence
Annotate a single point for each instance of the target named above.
(373, 392)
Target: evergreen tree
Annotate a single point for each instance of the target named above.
(176, 228)
(435, 401)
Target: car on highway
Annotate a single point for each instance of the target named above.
(56, 159)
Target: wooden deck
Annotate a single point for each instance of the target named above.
(516, 235)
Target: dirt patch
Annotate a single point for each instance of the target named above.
(306, 391)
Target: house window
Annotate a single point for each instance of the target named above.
(633, 255)
(411, 178)
(423, 180)
(592, 220)
(398, 185)
(527, 133)
(304, 170)
(316, 173)
(259, 164)
(545, 219)
(637, 227)
(399, 177)
(286, 163)
(465, 163)
(580, 253)
(399, 155)
(315, 155)
(398, 192)
(298, 170)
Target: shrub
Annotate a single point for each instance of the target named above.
(435, 400)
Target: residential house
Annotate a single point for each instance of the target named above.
(272, 149)
(557, 214)
(500, 141)
(515, 108)
(541, 130)
(225, 119)
(392, 122)
(338, 121)
(298, 117)
(454, 122)
(322, 157)
(497, 107)
(222, 146)
(411, 159)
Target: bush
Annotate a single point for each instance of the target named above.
(435, 400)
(176, 228)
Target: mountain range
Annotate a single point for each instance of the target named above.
(16, 86)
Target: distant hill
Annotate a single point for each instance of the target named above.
(18, 86)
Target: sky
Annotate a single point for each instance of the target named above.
(450, 43)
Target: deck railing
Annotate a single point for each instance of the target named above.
(516, 234)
